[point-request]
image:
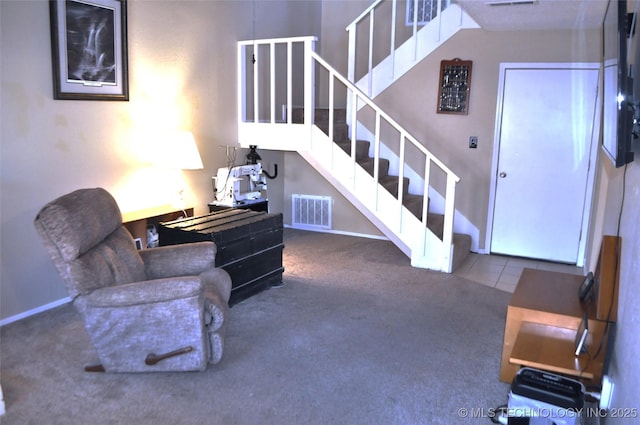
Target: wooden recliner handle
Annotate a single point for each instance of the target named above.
(153, 359)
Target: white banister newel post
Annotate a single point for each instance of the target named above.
(449, 211)
(415, 29)
(309, 92)
(256, 83)
(392, 46)
(353, 124)
(425, 190)
(403, 160)
(439, 18)
(331, 105)
(272, 83)
(289, 81)
(370, 55)
(351, 65)
(242, 86)
(376, 150)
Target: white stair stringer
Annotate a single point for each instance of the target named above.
(429, 38)
(395, 221)
(436, 201)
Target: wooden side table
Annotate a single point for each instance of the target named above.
(542, 319)
(550, 347)
(137, 221)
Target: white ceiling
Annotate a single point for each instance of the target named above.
(541, 15)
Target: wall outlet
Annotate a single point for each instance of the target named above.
(473, 142)
(606, 394)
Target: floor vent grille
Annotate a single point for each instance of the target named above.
(311, 212)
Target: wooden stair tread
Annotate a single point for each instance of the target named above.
(362, 148)
(321, 114)
(390, 183)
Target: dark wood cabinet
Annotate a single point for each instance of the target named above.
(250, 246)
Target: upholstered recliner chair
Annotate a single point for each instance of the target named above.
(158, 309)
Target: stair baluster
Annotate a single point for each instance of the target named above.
(364, 180)
(423, 39)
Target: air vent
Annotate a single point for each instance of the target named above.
(311, 212)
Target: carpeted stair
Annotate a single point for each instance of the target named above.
(435, 222)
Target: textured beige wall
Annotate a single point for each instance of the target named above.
(412, 100)
(182, 74)
(625, 369)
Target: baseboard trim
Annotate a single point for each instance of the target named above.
(338, 232)
(34, 311)
(66, 300)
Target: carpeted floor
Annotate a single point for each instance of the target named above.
(356, 336)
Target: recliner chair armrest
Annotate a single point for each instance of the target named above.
(179, 260)
(145, 292)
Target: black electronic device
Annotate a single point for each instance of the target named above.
(535, 391)
(586, 286)
(621, 107)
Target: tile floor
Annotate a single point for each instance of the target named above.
(503, 272)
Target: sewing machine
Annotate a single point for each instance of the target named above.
(233, 185)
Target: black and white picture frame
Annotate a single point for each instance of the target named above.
(89, 49)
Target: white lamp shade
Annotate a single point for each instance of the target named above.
(179, 150)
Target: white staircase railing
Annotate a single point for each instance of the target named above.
(262, 88)
(377, 33)
(264, 99)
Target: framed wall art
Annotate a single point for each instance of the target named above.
(89, 49)
(454, 87)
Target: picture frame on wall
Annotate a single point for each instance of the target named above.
(89, 49)
(454, 86)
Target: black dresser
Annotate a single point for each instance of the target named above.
(249, 245)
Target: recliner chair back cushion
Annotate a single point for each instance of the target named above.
(78, 221)
(84, 235)
(115, 261)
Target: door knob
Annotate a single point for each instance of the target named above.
(503, 175)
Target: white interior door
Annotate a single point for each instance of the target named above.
(545, 134)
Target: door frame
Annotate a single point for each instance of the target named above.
(593, 151)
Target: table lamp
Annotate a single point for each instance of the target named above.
(179, 151)
(182, 152)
